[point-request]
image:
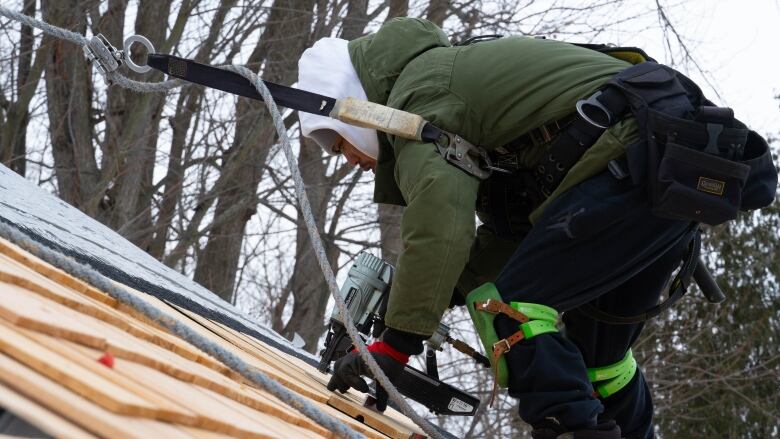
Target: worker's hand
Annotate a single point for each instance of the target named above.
(349, 369)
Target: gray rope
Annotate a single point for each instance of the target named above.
(184, 332)
(73, 37)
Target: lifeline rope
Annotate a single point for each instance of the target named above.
(226, 357)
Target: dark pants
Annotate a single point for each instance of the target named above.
(597, 243)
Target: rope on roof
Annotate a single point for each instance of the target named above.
(226, 357)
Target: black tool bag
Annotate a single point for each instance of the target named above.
(699, 162)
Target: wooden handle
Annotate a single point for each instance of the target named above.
(379, 117)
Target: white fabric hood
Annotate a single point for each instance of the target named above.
(326, 68)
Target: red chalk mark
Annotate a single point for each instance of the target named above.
(107, 360)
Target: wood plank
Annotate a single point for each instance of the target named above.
(211, 411)
(284, 372)
(165, 408)
(299, 384)
(31, 311)
(169, 311)
(72, 375)
(43, 419)
(199, 433)
(296, 374)
(371, 418)
(13, 272)
(313, 376)
(79, 410)
(29, 260)
(73, 329)
(127, 347)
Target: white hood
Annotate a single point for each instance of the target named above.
(326, 68)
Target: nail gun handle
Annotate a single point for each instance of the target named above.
(709, 287)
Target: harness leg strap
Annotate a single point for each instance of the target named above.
(484, 303)
(608, 380)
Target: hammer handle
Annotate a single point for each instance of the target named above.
(707, 283)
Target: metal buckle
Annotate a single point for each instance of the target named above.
(506, 343)
(594, 102)
(486, 307)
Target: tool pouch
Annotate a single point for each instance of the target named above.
(698, 178)
(696, 159)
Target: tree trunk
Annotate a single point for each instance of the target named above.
(437, 11)
(390, 231)
(398, 8)
(355, 21)
(132, 135)
(279, 47)
(14, 151)
(187, 106)
(68, 97)
(309, 289)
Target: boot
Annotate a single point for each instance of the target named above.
(604, 430)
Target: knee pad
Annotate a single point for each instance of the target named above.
(608, 380)
(484, 303)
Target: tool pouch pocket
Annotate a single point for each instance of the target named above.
(695, 185)
(694, 166)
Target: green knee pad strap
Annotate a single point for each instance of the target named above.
(614, 377)
(542, 320)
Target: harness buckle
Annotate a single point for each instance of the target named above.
(461, 153)
(583, 105)
(498, 344)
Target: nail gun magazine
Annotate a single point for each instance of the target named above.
(365, 292)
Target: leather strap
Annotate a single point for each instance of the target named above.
(505, 345)
(496, 307)
(500, 348)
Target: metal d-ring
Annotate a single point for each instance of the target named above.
(593, 101)
(149, 49)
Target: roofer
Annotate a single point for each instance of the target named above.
(569, 224)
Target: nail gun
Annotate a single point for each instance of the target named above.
(365, 292)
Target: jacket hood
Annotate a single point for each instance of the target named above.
(325, 68)
(380, 57)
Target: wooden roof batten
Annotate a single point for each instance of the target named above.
(55, 328)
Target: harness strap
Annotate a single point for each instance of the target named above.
(496, 307)
(535, 320)
(594, 115)
(613, 377)
(677, 290)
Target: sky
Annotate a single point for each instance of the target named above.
(736, 43)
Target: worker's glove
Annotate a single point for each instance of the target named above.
(347, 370)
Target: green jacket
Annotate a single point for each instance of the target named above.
(490, 93)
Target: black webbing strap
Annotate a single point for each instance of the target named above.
(677, 290)
(594, 115)
(214, 77)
